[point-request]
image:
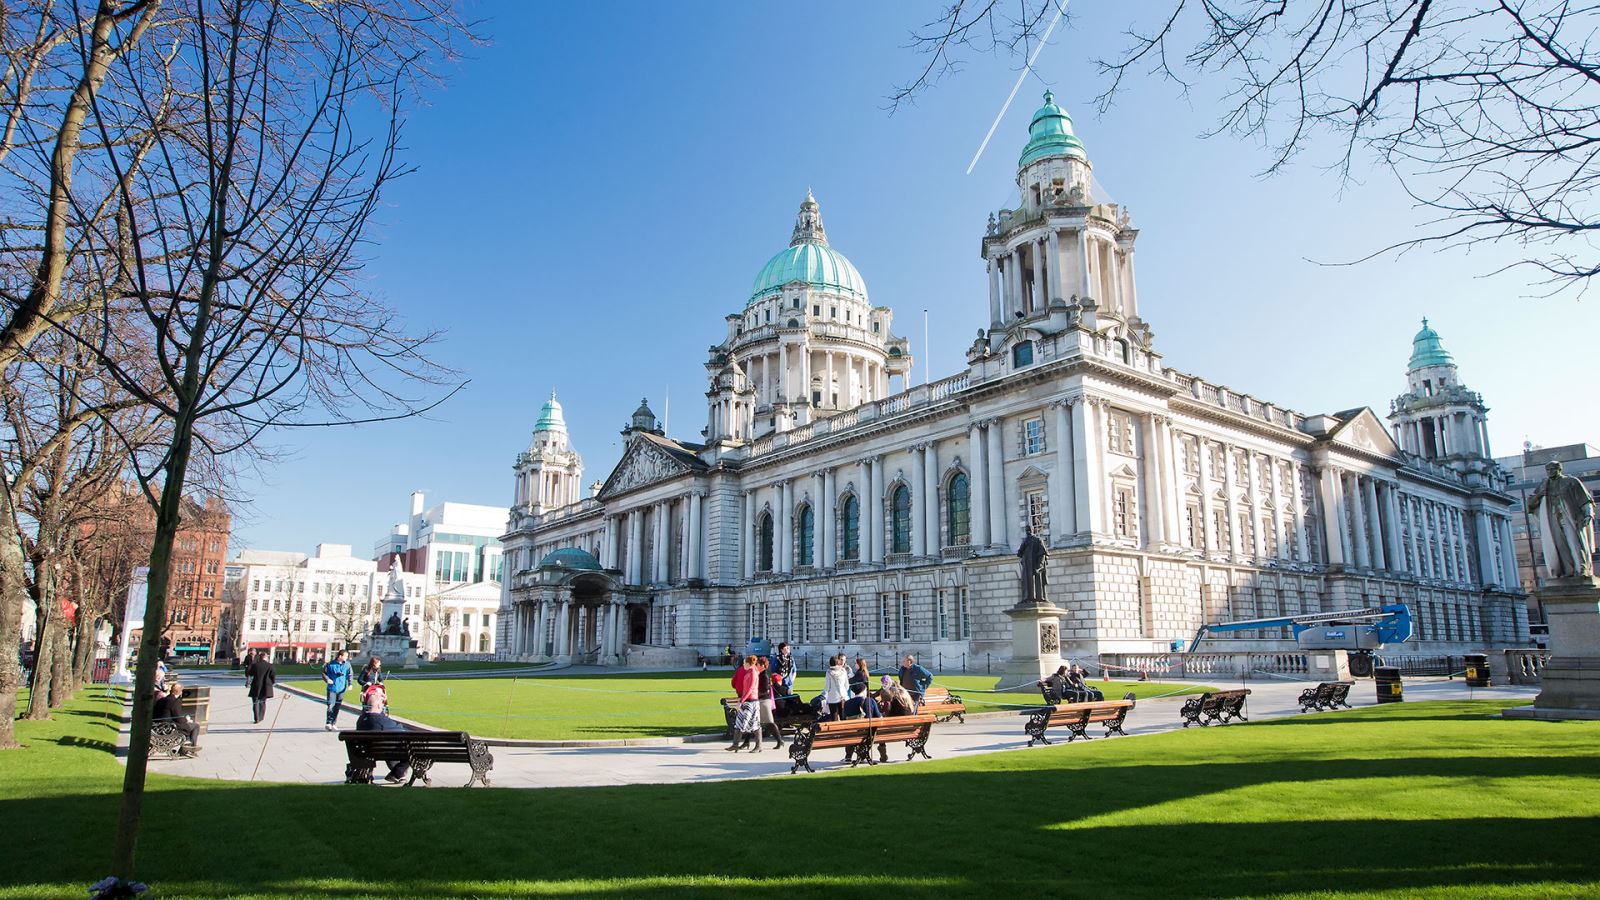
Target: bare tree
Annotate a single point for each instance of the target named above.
(1487, 111)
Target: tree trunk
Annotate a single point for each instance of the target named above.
(12, 597)
(155, 613)
(84, 649)
(61, 684)
(43, 662)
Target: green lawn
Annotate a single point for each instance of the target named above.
(559, 707)
(1409, 800)
(290, 670)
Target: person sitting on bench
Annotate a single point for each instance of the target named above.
(894, 700)
(1079, 691)
(1055, 687)
(169, 708)
(375, 717)
(860, 705)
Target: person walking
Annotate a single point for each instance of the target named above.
(915, 679)
(835, 687)
(747, 721)
(260, 677)
(783, 667)
(766, 687)
(336, 676)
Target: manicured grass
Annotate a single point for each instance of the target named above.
(1410, 800)
(557, 707)
(291, 670)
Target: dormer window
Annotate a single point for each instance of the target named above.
(769, 315)
(816, 310)
(874, 327)
(797, 303)
(833, 312)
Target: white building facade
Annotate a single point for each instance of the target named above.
(304, 608)
(827, 505)
(455, 549)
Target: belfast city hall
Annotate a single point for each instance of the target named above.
(830, 504)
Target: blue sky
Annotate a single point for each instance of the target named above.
(596, 190)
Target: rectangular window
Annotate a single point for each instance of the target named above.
(835, 632)
(1247, 537)
(1191, 456)
(963, 617)
(816, 310)
(1119, 433)
(944, 618)
(255, 584)
(1038, 512)
(1032, 436)
(1191, 526)
(905, 616)
(253, 602)
(315, 586)
(883, 617)
(805, 620)
(750, 620)
(850, 618)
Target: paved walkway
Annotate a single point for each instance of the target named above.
(291, 745)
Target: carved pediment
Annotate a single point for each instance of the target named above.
(1364, 432)
(641, 464)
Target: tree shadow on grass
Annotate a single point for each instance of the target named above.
(1005, 829)
(91, 743)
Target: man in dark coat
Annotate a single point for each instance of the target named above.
(169, 708)
(374, 719)
(260, 677)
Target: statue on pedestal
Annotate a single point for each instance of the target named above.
(1034, 555)
(393, 625)
(1566, 524)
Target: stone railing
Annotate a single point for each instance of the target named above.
(916, 398)
(1225, 398)
(1526, 666)
(1232, 666)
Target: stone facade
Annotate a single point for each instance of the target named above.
(882, 521)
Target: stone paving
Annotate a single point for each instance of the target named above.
(292, 746)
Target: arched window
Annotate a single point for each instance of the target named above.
(958, 510)
(851, 516)
(901, 520)
(483, 643)
(444, 642)
(807, 532)
(466, 642)
(764, 559)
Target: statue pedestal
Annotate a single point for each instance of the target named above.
(1035, 645)
(1570, 684)
(394, 649)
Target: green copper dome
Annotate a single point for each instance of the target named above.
(808, 259)
(571, 558)
(1428, 350)
(1050, 134)
(550, 418)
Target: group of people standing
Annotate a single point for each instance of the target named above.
(764, 686)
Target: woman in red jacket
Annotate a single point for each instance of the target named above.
(748, 720)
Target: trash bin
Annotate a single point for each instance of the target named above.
(197, 703)
(1477, 669)
(1387, 679)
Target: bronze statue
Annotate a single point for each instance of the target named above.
(1034, 555)
(1566, 523)
(394, 624)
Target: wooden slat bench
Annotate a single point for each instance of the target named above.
(943, 705)
(1328, 695)
(419, 749)
(858, 737)
(1077, 717)
(786, 721)
(1215, 706)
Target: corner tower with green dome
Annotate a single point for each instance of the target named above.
(1062, 254)
(1438, 418)
(549, 473)
(809, 343)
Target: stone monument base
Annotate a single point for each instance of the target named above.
(1035, 646)
(1569, 686)
(394, 649)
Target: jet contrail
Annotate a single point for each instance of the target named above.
(1061, 8)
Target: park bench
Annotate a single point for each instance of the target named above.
(1214, 706)
(791, 721)
(165, 740)
(943, 705)
(1077, 717)
(420, 749)
(1328, 695)
(858, 736)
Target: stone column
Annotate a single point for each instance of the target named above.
(1297, 503)
(1057, 286)
(930, 494)
(1508, 554)
(1253, 497)
(786, 525)
(828, 386)
(783, 372)
(1064, 514)
(748, 529)
(1087, 478)
(1332, 489)
(877, 509)
(1036, 249)
(602, 615)
(541, 628)
(1358, 520)
(1463, 564)
(1155, 522)
(1391, 511)
(1208, 539)
(1275, 495)
(865, 518)
(998, 506)
(1085, 277)
(919, 518)
(691, 538)
(563, 635)
(1230, 493)
(826, 524)
(1369, 500)
(636, 546)
(979, 508)
(1480, 520)
(995, 320)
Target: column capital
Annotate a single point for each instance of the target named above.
(1063, 402)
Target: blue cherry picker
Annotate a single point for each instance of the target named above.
(1360, 631)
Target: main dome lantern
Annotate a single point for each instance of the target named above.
(809, 260)
(1050, 134)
